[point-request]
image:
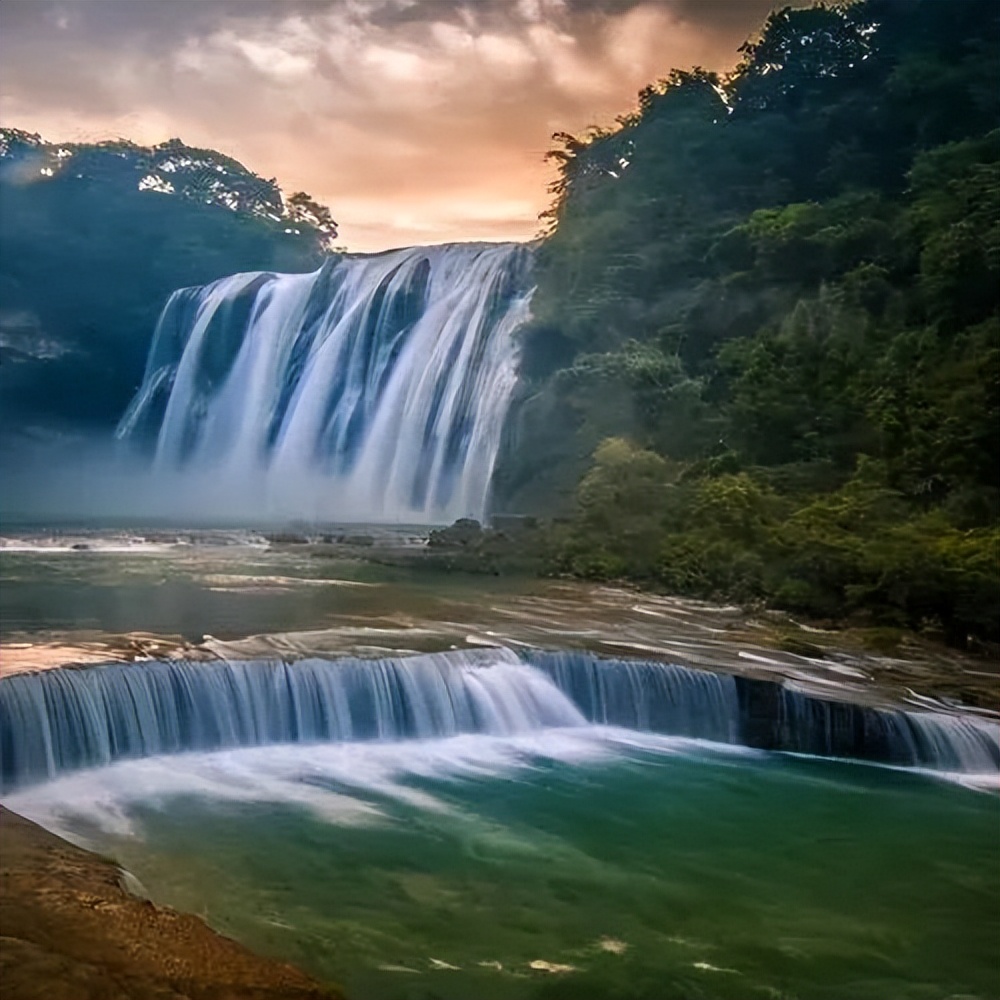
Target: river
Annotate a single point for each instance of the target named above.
(538, 856)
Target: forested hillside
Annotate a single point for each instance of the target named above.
(765, 360)
(93, 239)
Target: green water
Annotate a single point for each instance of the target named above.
(655, 875)
(229, 593)
(443, 870)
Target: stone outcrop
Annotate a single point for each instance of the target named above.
(69, 930)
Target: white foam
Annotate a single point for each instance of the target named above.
(336, 782)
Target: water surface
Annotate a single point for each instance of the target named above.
(565, 863)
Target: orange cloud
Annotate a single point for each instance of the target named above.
(415, 121)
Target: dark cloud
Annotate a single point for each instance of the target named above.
(416, 120)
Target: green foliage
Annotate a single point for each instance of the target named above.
(305, 211)
(94, 238)
(620, 500)
(956, 215)
(784, 288)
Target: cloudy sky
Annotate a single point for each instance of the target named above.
(416, 121)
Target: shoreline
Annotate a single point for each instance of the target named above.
(67, 922)
(70, 930)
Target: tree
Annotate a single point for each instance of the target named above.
(300, 208)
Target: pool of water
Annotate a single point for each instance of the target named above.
(579, 863)
(576, 863)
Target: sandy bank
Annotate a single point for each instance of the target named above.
(83, 648)
(69, 931)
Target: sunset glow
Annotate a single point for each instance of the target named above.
(416, 121)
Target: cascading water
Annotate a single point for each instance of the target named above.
(635, 694)
(60, 720)
(667, 698)
(65, 719)
(373, 389)
(838, 729)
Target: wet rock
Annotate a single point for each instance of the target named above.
(464, 533)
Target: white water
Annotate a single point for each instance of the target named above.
(65, 719)
(374, 389)
(355, 784)
(62, 720)
(336, 782)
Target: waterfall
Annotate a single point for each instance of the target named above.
(373, 389)
(634, 694)
(667, 698)
(774, 717)
(60, 720)
(65, 719)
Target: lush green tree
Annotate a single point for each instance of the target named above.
(784, 284)
(94, 238)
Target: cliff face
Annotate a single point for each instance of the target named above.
(70, 931)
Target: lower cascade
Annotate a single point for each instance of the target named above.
(374, 389)
(64, 719)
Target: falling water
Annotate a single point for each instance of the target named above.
(373, 389)
(635, 694)
(668, 698)
(64, 719)
(806, 724)
(60, 720)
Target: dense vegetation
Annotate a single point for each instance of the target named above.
(94, 238)
(765, 360)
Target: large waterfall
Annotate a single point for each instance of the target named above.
(60, 720)
(373, 389)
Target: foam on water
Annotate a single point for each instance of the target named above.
(67, 719)
(339, 783)
(63, 720)
(359, 783)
